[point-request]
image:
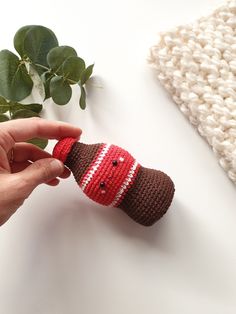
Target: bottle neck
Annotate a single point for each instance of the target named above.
(80, 158)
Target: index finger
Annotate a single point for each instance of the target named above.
(21, 130)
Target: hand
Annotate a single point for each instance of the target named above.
(24, 166)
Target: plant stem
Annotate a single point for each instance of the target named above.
(48, 69)
(71, 81)
(42, 66)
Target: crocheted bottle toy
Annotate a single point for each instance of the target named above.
(110, 176)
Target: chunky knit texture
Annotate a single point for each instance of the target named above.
(197, 64)
(110, 176)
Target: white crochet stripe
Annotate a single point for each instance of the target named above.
(196, 63)
(125, 184)
(95, 166)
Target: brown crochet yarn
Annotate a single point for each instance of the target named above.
(111, 176)
(80, 158)
(149, 197)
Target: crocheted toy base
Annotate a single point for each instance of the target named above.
(196, 63)
(109, 175)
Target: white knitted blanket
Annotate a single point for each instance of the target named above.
(197, 64)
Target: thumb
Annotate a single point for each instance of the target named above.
(41, 171)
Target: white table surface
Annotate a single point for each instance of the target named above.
(62, 253)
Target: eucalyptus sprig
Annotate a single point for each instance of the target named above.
(58, 67)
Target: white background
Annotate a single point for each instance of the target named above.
(61, 253)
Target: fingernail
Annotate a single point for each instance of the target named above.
(57, 165)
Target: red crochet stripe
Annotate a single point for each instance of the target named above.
(63, 147)
(110, 175)
(130, 184)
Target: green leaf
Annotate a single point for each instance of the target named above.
(24, 113)
(72, 69)
(4, 106)
(86, 74)
(34, 107)
(3, 118)
(15, 82)
(82, 101)
(60, 90)
(19, 39)
(14, 106)
(46, 79)
(38, 41)
(40, 142)
(58, 55)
